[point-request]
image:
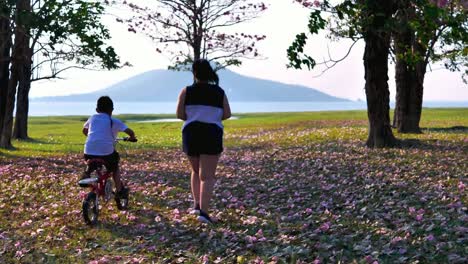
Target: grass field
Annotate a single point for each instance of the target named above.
(292, 188)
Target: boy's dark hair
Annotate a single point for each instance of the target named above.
(105, 104)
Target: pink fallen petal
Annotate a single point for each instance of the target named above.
(259, 233)
(419, 217)
(461, 186)
(325, 226)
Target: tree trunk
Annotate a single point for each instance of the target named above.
(197, 31)
(376, 74)
(409, 98)
(5, 137)
(402, 81)
(20, 130)
(409, 79)
(417, 95)
(197, 43)
(5, 46)
(17, 68)
(403, 73)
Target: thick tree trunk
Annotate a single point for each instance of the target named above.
(6, 133)
(408, 105)
(5, 46)
(409, 82)
(19, 57)
(402, 41)
(417, 98)
(402, 81)
(20, 130)
(376, 75)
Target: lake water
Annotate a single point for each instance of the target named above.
(88, 108)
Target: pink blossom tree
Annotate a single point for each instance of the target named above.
(190, 30)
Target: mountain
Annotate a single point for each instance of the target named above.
(165, 85)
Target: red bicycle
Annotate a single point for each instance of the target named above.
(101, 185)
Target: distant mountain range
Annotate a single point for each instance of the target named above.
(165, 85)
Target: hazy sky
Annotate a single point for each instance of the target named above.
(280, 23)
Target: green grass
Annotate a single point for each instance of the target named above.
(290, 186)
(62, 135)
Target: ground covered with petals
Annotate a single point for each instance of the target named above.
(297, 188)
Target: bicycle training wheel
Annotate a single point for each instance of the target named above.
(90, 209)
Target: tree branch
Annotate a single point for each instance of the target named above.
(333, 62)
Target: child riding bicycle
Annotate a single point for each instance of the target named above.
(101, 130)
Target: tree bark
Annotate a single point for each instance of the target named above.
(403, 42)
(20, 130)
(376, 74)
(197, 31)
(402, 89)
(5, 137)
(17, 69)
(409, 78)
(5, 46)
(409, 98)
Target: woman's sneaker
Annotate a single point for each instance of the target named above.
(204, 218)
(195, 210)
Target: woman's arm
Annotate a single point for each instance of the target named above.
(226, 108)
(181, 106)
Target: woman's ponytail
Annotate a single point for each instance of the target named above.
(214, 77)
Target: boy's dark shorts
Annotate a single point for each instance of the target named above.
(202, 138)
(112, 160)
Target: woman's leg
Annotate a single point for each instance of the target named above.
(195, 180)
(208, 165)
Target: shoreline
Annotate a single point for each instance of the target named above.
(168, 108)
(169, 115)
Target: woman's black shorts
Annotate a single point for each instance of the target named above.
(202, 138)
(112, 160)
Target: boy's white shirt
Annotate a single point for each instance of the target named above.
(100, 140)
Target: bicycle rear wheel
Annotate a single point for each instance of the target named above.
(90, 209)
